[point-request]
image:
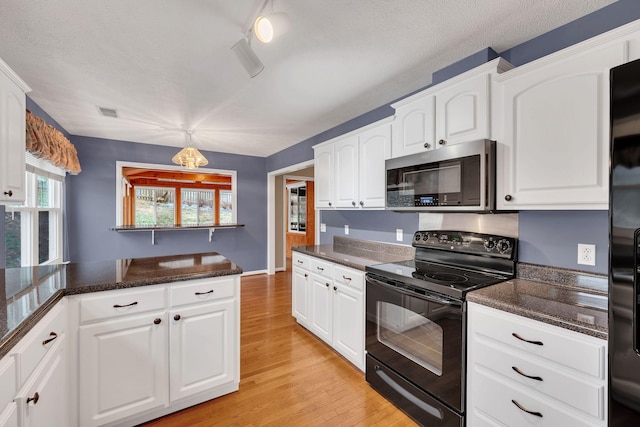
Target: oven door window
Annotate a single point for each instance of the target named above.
(410, 334)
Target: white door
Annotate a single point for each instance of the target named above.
(462, 112)
(414, 127)
(555, 149)
(374, 149)
(202, 348)
(12, 140)
(321, 307)
(348, 324)
(323, 172)
(123, 368)
(300, 295)
(45, 403)
(346, 172)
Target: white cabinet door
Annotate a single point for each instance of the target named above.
(123, 367)
(323, 171)
(301, 287)
(554, 148)
(321, 307)
(374, 148)
(9, 416)
(348, 324)
(462, 112)
(202, 346)
(414, 127)
(346, 172)
(12, 140)
(44, 398)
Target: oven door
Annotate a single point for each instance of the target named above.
(420, 337)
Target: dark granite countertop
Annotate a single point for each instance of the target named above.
(357, 253)
(30, 292)
(569, 299)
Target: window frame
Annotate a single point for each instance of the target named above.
(121, 184)
(29, 220)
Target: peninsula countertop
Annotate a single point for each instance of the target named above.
(29, 292)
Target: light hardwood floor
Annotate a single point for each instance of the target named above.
(288, 377)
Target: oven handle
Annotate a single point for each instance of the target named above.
(407, 394)
(429, 297)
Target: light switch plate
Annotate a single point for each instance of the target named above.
(399, 234)
(323, 227)
(346, 229)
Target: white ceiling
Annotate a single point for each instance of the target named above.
(167, 65)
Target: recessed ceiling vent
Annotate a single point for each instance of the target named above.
(108, 112)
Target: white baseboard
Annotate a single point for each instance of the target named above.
(253, 273)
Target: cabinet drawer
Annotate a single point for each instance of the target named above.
(587, 396)
(499, 398)
(567, 348)
(301, 261)
(7, 380)
(32, 348)
(120, 303)
(322, 268)
(203, 290)
(349, 277)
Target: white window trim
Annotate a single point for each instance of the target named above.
(122, 185)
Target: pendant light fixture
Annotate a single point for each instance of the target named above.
(189, 157)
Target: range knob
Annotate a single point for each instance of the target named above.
(417, 237)
(425, 236)
(489, 245)
(504, 246)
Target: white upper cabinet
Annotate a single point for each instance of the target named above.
(414, 128)
(452, 112)
(12, 135)
(323, 171)
(350, 170)
(462, 112)
(552, 128)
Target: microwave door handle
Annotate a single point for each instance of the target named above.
(428, 297)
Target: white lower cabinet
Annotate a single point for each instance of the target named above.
(123, 367)
(328, 299)
(146, 352)
(43, 399)
(9, 416)
(521, 372)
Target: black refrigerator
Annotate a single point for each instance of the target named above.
(624, 249)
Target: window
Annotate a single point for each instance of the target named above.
(157, 195)
(33, 231)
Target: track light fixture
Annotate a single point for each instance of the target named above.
(265, 27)
(247, 57)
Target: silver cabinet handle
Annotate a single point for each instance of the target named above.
(525, 375)
(523, 409)
(528, 341)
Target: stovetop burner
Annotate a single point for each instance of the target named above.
(453, 263)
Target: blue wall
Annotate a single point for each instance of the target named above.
(91, 207)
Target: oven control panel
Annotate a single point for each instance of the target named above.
(466, 242)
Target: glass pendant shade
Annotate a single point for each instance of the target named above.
(189, 157)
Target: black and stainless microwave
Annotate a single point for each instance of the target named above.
(457, 178)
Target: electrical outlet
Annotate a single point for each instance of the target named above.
(346, 229)
(399, 234)
(586, 254)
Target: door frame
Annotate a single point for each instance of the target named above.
(271, 211)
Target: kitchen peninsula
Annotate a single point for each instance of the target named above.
(117, 342)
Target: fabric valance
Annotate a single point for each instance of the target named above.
(48, 143)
